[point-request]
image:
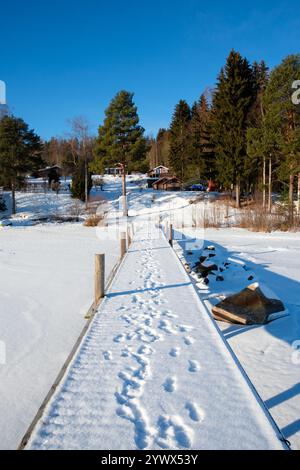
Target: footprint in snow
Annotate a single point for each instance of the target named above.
(185, 328)
(148, 322)
(188, 340)
(121, 309)
(195, 412)
(144, 349)
(119, 338)
(126, 352)
(166, 326)
(173, 428)
(168, 314)
(170, 384)
(194, 366)
(174, 352)
(107, 355)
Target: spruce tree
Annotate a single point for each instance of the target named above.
(260, 133)
(120, 138)
(180, 152)
(284, 116)
(232, 101)
(78, 189)
(20, 153)
(202, 151)
(196, 127)
(159, 148)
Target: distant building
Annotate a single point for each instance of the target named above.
(113, 171)
(168, 183)
(158, 172)
(53, 173)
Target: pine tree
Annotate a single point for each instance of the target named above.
(202, 152)
(120, 138)
(179, 155)
(260, 133)
(20, 153)
(78, 189)
(159, 148)
(285, 117)
(196, 127)
(232, 101)
(163, 146)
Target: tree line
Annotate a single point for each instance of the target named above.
(244, 134)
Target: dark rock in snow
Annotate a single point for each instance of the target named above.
(202, 259)
(211, 255)
(250, 278)
(248, 307)
(205, 270)
(206, 281)
(219, 278)
(210, 248)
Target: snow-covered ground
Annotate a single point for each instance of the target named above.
(46, 288)
(268, 353)
(42, 306)
(153, 371)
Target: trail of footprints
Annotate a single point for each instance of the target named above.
(139, 319)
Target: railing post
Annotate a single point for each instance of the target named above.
(171, 235)
(99, 277)
(129, 239)
(123, 245)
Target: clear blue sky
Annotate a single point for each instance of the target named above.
(62, 59)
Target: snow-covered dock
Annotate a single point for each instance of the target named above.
(153, 371)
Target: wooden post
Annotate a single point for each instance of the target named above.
(99, 277)
(129, 236)
(123, 244)
(171, 235)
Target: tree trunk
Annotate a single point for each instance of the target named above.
(298, 195)
(124, 197)
(238, 193)
(291, 196)
(264, 183)
(270, 186)
(291, 189)
(86, 183)
(13, 197)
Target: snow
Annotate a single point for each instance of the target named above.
(269, 352)
(153, 371)
(34, 206)
(46, 290)
(42, 312)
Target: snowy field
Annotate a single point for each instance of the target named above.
(268, 353)
(46, 290)
(47, 284)
(31, 207)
